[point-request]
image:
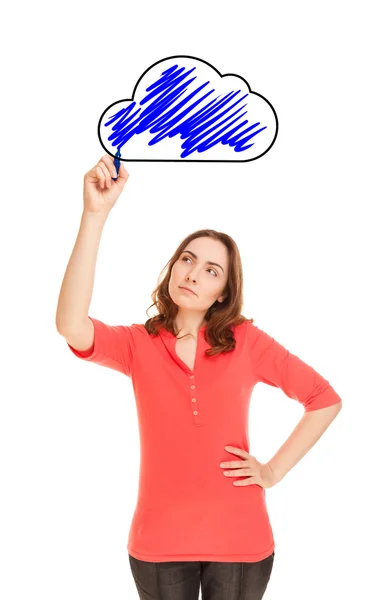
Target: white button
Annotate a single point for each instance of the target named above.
(192, 387)
(191, 376)
(195, 412)
(193, 400)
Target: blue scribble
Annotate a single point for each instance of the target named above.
(193, 124)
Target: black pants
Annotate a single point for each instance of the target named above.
(218, 580)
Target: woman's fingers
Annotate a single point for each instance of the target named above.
(104, 167)
(100, 176)
(109, 162)
(105, 170)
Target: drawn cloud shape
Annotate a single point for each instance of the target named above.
(183, 109)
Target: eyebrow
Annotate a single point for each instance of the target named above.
(209, 262)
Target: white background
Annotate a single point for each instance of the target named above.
(69, 448)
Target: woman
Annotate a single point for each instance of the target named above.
(201, 516)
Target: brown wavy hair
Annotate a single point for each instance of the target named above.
(221, 316)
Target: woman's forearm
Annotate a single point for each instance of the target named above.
(307, 432)
(77, 286)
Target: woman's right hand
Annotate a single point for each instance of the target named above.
(100, 191)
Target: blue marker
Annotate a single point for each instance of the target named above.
(117, 164)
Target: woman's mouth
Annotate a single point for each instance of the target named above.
(187, 291)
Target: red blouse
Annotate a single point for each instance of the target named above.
(187, 510)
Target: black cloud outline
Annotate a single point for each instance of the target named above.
(123, 159)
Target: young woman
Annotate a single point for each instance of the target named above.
(201, 517)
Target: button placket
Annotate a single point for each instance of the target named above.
(191, 376)
(193, 400)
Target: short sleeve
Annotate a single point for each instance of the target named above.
(274, 365)
(113, 347)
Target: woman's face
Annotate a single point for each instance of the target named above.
(192, 270)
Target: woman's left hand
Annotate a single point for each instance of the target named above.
(249, 467)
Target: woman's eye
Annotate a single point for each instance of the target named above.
(188, 258)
